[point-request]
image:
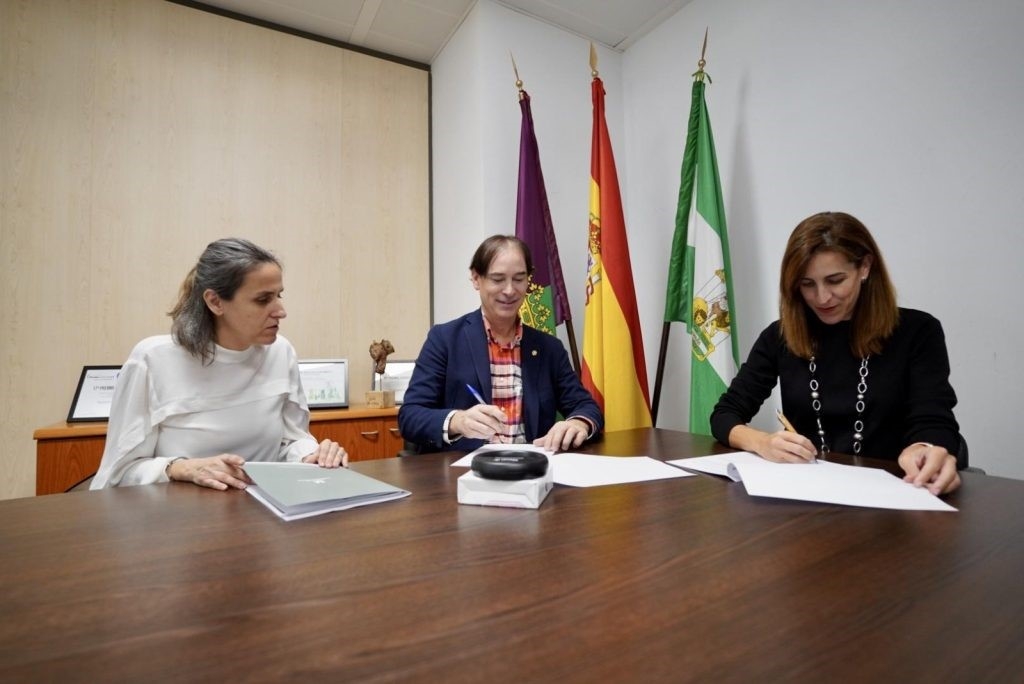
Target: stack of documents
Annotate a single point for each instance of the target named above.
(301, 490)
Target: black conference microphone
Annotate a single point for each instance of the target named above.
(507, 464)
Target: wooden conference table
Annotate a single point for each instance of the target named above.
(675, 580)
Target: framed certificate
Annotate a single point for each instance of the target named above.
(94, 394)
(325, 382)
(395, 377)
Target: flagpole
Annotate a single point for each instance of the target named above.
(572, 340)
(666, 328)
(570, 331)
(572, 345)
(659, 373)
(519, 81)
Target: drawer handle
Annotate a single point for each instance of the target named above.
(395, 432)
(370, 433)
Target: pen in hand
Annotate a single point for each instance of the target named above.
(476, 395)
(480, 400)
(789, 427)
(785, 421)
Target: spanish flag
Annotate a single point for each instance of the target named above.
(614, 369)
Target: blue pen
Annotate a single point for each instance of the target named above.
(476, 395)
(480, 400)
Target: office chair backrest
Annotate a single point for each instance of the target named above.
(963, 461)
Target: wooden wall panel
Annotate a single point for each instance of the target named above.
(136, 131)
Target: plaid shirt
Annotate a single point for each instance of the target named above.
(507, 382)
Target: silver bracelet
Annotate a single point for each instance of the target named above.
(167, 468)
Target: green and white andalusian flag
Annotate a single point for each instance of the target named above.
(700, 275)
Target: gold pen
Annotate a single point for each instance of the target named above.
(789, 428)
(785, 421)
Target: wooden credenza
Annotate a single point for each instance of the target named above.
(366, 433)
(67, 453)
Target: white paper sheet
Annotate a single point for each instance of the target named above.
(587, 470)
(822, 482)
(716, 464)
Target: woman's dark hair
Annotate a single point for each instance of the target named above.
(874, 316)
(489, 249)
(222, 267)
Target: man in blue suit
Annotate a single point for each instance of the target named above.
(486, 377)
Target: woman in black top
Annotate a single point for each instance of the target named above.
(857, 374)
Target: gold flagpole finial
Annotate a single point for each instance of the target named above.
(699, 74)
(519, 81)
(593, 61)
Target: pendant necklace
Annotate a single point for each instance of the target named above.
(858, 423)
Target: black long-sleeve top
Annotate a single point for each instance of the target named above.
(908, 399)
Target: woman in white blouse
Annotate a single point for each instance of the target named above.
(222, 389)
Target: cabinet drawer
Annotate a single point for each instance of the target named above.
(363, 438)
(393, 441)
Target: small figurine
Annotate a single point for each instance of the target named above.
(379, 353)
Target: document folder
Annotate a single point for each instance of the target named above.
(301, 490)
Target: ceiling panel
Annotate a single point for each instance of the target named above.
(416, 25)
(419, 29)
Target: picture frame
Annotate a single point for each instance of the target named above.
(396, 377)
(325, 382)
(94, 394)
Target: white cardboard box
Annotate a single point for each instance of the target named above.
(474, 489)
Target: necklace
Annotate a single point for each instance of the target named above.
(858, 423)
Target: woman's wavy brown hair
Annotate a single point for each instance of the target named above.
(875, 314)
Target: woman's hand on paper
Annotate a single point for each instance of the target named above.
(787, 447)
(931, 467)
(778, 447)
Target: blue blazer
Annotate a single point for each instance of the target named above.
(455, 354)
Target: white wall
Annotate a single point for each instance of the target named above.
(904, 114)
(457, 161)
(476, 156)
